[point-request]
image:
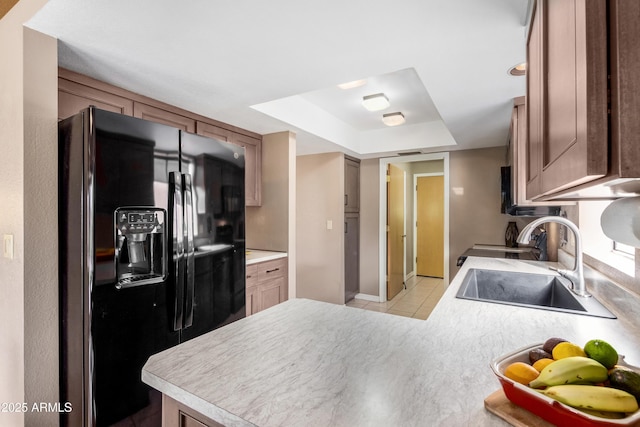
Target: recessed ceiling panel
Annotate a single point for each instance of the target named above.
(403, 88)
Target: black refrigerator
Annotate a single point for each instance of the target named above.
(152, 253)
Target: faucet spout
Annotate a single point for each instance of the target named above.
(576, 275)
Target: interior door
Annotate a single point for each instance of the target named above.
(430, 226)
(395, 231)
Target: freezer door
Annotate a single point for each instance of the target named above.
(109, 161)
(189, 251)
(217, 214)
(176, 218)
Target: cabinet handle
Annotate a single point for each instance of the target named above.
(249, 276)
(346, 199)
(271, 271)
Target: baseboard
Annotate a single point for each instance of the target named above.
(366, 297)
(409, 276)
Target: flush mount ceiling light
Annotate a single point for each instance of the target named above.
(375, 102)
(393, 119)
(351, 85)
(518, 70)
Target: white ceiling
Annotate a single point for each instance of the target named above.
(270, 66)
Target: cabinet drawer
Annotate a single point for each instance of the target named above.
(252, 275)
(271, 269)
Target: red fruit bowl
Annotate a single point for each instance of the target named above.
(546, 408)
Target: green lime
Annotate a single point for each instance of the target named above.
(602, 352)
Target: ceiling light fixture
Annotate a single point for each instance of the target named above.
(351, 85)
(375, 102)
(393, 119)
(518, 70)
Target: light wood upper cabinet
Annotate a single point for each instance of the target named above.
(533, 109)
(158, 115)
(211, 131)
(568, 59)
(519, 159)
(351, 185)
(252, 158)
(73, 97)
(76, 92)
(253, 167)
(582, 117)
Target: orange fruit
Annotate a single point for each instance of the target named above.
(521, 372)
(540, 364)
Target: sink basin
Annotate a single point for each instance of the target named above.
(541, 291)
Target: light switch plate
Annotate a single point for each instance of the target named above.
(7, 246)
(329, 224)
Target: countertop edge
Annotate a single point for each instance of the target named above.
(256, 256)
(207, 409)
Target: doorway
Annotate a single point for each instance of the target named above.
(383, 217)
(429, 225)
(396, 188)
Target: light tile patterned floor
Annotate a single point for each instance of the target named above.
(418, 300)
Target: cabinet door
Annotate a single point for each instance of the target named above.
(73, 97)
(533, 108)
(625, 87)
(154, 114)
(175, 414)
(252, 157)
(251, 290)
(351, 185)
(351, 256)
(211, 131)
(253, 167)
(575, 146)
(272, 292)
(574, 140)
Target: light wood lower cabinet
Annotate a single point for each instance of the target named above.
(267, 285)
(175, 414)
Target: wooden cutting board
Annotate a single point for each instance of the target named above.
(498, 404)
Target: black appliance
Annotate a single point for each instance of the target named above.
(508, 205)
(152, 253)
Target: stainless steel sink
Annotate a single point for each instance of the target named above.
(541, 291)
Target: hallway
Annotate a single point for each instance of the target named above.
(417, 301)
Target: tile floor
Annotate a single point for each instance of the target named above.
(418, 300)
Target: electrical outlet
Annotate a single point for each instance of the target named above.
(7, 246)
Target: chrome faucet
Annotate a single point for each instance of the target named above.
(576, 276)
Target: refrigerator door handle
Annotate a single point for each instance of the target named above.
(176, 199)
(190, 250)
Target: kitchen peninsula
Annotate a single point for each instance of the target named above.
(308, 363)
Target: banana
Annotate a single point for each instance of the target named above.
(571, 370)
(592, 397)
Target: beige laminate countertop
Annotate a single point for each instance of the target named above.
(309, 363)
(256, 255)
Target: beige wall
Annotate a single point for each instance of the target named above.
(271, 226)
(369, 226)
(28, 196)
(474, 204)
(319, 251)
(267, 225)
